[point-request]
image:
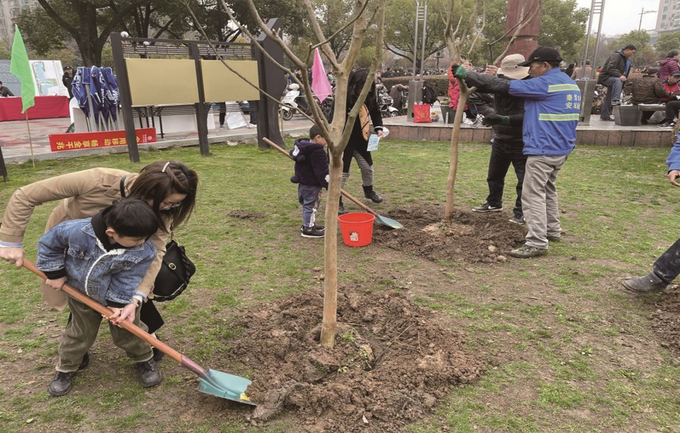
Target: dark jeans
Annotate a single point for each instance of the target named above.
(672, 108)
(504, 153)
(667, 266)
(614, 88)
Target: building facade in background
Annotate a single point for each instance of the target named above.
(668, 16)
(8, 10)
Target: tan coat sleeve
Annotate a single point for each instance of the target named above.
(159, 240)
(93, 187)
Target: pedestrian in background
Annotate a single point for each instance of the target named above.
(614, 75)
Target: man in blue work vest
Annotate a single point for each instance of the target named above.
(552, 102)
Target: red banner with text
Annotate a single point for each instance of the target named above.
(94, 139)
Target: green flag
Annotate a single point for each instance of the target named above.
(21, 68)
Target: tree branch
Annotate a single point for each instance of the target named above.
(58, 19)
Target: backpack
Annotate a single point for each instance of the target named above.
(429, 96)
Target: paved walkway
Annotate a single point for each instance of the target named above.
(15, 144)
(16, 149)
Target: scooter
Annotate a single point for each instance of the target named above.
(293, 100)
(385, 103)
(288, 104)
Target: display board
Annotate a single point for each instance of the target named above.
(221, 84)
(46, 75)
(162, 81)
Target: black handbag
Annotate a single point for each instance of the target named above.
(176, 268)
(175, 274)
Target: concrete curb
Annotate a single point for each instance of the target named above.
(245, 137)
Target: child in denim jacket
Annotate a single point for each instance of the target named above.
(105, 257)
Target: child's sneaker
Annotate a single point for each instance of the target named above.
(312, 232)
(320, 228)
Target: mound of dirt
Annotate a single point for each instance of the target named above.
(390, 365)
(666, 320)
(470, 237)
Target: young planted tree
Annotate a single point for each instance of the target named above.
(456, 40)
(363, 14)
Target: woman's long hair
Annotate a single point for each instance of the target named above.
(158, 181)
(355, 83)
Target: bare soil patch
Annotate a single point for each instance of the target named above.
(391, 364)
(666, 319)
(245, 215)
(470, 237)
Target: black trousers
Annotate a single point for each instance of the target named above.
(504, 153)
(672, 108)
(667, 266)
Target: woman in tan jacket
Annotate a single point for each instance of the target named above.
(168, 186)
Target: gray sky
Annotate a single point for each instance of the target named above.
(622, 16)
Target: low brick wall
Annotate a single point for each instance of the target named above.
(626, 138)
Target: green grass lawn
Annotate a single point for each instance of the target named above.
(575, 352)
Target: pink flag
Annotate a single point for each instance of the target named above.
(320, 84)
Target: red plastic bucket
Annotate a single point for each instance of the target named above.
(357, 228)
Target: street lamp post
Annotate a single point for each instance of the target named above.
(641, 14)
(415, 85)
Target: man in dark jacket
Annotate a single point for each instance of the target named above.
(647, 89)
(614, 74)
(311, 175)
(507, 144)
(67, 79)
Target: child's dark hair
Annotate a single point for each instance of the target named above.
(132, 217)
(314, 131)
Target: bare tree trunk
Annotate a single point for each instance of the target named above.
(465, 92)
(338, 131)
(330, 292)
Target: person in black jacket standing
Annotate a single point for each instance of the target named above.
(311, 175)
(507, 145)
(357, 146)
(614, 74)
(67, 79)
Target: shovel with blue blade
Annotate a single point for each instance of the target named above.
(212, 382)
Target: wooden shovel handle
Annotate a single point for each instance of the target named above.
(358, 203)
(125, 324)
(276, 146)
(346, 194)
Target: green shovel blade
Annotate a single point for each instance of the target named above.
(389, 222)
(225, 385)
